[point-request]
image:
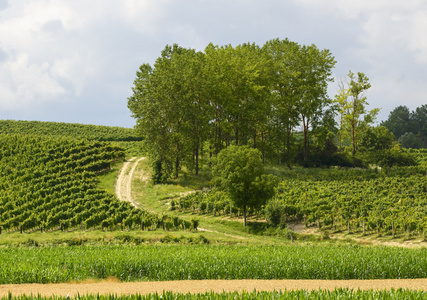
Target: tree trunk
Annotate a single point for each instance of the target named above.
(305, 125)
(177, 166)
(244, 215)
(392, 228)
(262, 147)
(197, 160)
(363, 226)
(254, 137)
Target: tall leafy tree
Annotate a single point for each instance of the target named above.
(167, 103)
(399, 121)
(239, 171)
(316, 71)
(419, 121)
(355, 115)
(284, 93)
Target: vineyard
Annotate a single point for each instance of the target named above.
(50, 183)
(81, 131)
(388, 202)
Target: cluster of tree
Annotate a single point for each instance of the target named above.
(409, 128)
(272, 98)
(191, 102)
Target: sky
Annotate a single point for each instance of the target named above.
(75, 61)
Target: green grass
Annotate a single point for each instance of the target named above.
(156, 197)
(107, 180)
(247, 295)
(178, 262)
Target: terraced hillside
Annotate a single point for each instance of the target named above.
(50, 183)
(81, 131)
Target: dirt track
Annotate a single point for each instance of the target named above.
(201, 286)
(123, 187)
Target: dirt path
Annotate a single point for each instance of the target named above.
(123, 187)
(201, 286)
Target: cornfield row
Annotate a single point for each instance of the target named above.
(178, 262)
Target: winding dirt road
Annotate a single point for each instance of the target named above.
(123, 187)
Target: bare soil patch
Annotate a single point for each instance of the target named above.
(201, 286)
(123, 187)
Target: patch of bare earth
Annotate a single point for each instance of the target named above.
(201, 286)
(123, 187)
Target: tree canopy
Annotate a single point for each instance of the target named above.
(410, 128)
(239, 171)
(191, 102)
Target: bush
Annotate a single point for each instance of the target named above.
(391, 157)
(274, 212)
(194, 223)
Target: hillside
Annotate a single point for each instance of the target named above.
(49, 177)
(81, 131)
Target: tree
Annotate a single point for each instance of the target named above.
(410, 128)
(315, 73)
(299, 89)
(274, 212)
(284, 94)
(168, 103)
(419, 120)
(353, 104)
(377, 138)
(399, 121)
(341, 102)
(410, 140)
(239, 171)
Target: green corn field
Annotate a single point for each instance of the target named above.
(196, 262)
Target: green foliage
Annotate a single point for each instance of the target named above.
(189, 102)
(274, 212)
(410, 140)
(240, 173)
(158, 175)
(391, 157)
(376, 138)
(359, 200)
(183, 262)
(410, 128)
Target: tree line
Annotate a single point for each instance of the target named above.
(409, 128)
(272, 97)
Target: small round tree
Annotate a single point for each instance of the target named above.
(239, 172)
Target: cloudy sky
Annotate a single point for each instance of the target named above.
(75, 61)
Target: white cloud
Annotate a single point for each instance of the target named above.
(52, 51)
(23, 83)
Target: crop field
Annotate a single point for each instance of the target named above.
(388, 202)
(50, 197)
(246, 295)
(79, 131)
(176, 262)
(50, 183)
